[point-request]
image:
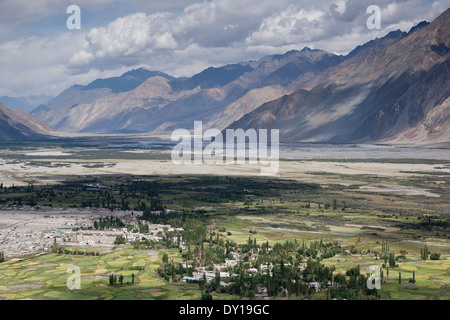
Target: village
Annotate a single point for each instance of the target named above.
(224, 271)
(28, 230)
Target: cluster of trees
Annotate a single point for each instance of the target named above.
(392, 263)
(143, 227)
(284, 274)
(435, 256)
(173, 271)
(108, 223)
(194, 234)
(319, 248)
(173, 218)
(140, 195)
(155, 206)
(424, 252)
(388, 256)
(143, 244)
(114, 280)
(2, 256)
(78, 193)
(56, 248)
(120, 240)
(206, 295)
(333, 205)
(288, 280)
(80, 252)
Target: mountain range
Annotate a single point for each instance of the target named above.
(25, 103)
(160, 103)
(399, 94)
(20, 125)
(393, 89)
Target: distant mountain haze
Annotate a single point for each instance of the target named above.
(126, 82)
(24, 103)
(162, 103)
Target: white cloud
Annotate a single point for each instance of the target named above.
(340, 6)
(181, 37)
(288, 27)
(130, 36)
(37, 65)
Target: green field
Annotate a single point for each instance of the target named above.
(269, 210)
(44, 276)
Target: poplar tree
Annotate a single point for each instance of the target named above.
(391, 260)
(424, 252)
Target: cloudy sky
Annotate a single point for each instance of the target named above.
(40, 55)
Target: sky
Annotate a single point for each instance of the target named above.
(40, 55)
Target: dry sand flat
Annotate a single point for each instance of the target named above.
(18, 172)
(48, 153)
(7, 179)
(46, 166)
(400, 190)
(353, 168)
(386, 228)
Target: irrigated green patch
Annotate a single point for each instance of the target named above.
(45, 276)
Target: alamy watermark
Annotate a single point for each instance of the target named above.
(374, 21)
(74, 20)
(238, 147)
(74, 281)
(374, 279)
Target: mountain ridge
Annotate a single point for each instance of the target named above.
(375, 100)
(20, 125)
(242, 94)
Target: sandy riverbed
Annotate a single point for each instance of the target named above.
(17, 171)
